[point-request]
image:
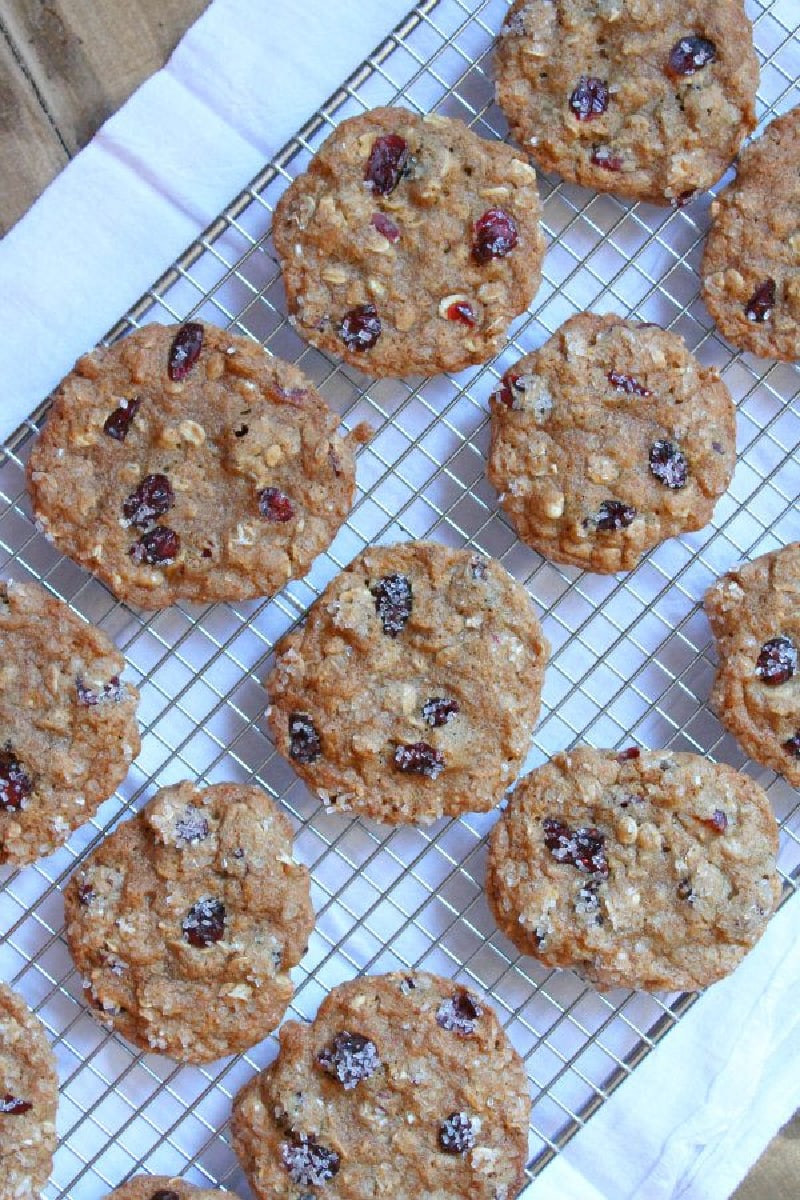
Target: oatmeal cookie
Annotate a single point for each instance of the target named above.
(609, 439)
(649, 99)
(68, 729)
(643, 869)
(187, 463)
(409, 244)
(751, 264)
(394, 1090)
(28, 1100)
(161, 1187)
(413, 688)
(186, 921)
(754, 613)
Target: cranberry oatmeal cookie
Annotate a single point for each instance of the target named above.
(28, 1100)
(161, 1187)
(410, 244)
(751, 265)
(68, 729)
(392, 1091)
(609, 439)
(186, 921)
(643, 869)
(754, 612)
(649, 99)
(186, 463)
(413, 688)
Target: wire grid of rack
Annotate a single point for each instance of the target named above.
(632, 661)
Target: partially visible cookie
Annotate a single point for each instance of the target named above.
(646, 869)
(161, 1187)
(68, 730)
(28, 1100)
(405, 1085)
(186, 921)
(751, 264)
(754, 612)
(409, 244)
(609, 439)
(413, 688)
(187, 463)
(645, 98)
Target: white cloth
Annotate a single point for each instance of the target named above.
(698, 1111)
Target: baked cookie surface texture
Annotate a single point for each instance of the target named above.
(28, 1100)
(162, 1187)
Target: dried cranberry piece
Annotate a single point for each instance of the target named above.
(157, 547)
(459, 1013)
(15, 782)
(463, 313)
(117, 424)
(628, 384)
(12, 1106)
(718, 821)
(792, 745)
(304, 740)
(110, 693)
(589, 98)
(151, 499)
(632, 752)
(607, 159)
(386, 226)
(686, 891)
(690, 55)
(309, 1164)
(612, 515)
(582, 848)
(191, 826)
(668, 464)
(760, 305)
(185, 350)
(777, 661)
(361, 328)
(86, 895)
(508, 392)
(494, 235)
(683, 198)
(457, 1134)
(275, 505)
(418, 758)
(165, 1194)
(204, 924)
(388, 160)
(438, 711)
(349, 1057)
(393, 602)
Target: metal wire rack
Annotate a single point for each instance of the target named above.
(631, 661)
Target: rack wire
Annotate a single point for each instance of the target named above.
(632, 660)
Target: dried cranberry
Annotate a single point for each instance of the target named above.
(438, 711)
(117, 424)
(718, 821)
(589, 98)
(628, 384)
(275, 505)
(683, 198)
(185, 350)
(165, 1194)
(204, 924)
(157, 547)
(632, 752)
(304, 741)
(668, 464)
(393, 602)
(686, 891)
(605, 158)
(792, 745)
(582, 848)
(191, 826)
(15, 782)
(494, 235)
(360, 328)
(86, 895)
(151, 499)
(12, 1106)
(418, 758)
(509, 390)
(691, 54)
(777, 661)
(349, 1057)
(457, 1134)
(386, 226)
(109, 693)
(309, 1164)
(459, 1014)
(388, 160)
(760, 305)
(463, 313)
(612, 515)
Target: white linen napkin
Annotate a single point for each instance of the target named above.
(697, 1112)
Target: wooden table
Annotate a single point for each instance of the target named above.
(67, 65)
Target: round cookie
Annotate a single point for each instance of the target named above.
(187, 463)
(161, 1187)
(410, 244)
(754, 613)
(609, 439)
(751, 264)
(28, 1100)
(645, 98)
(643, 869)
(392, 1091)
(68, 729)
(186, 921)
(413, 688)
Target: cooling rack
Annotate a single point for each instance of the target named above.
(632, 661)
